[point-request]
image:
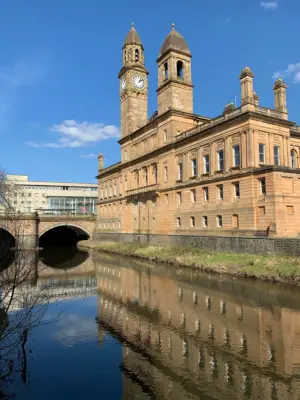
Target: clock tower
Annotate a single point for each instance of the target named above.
(133, 85)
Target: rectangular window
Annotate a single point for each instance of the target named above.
(180, 171)
(178, 222)
(193, 196)
(179, 198)
(206, 164)
(192, 222)
(262, 186)
(220, 159)
(205, 194)
(236, 156)
(205, 221)
(166, 174)
(194, 167)
(261, 147)
(167, 198)
(276, 155)
(236, 187)
(220, 192)
(219, 221)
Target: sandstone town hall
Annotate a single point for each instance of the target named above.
(185, 174)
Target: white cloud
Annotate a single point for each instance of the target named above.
(269, 5)
(89, 155)
(73, 329)
(14, 78)
(292, 70)
(79, 134)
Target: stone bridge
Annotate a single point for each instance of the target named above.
(27, 229)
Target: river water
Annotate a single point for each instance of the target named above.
(125, 329)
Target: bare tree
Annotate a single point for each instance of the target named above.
(22, 307)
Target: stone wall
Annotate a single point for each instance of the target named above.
(253, 245)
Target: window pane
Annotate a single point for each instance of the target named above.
(276, 155)
(236, 156)
(220, 157)
(261, 153)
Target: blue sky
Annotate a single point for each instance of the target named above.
(59, 62)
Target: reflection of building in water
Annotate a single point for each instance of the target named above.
(180, 338)
(52, 284)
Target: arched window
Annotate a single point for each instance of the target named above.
(293, 159)
(137, 55)
(137, 177)
(180, 69)
(146, 176)
(178, 222)
(235, 221)
(166, 72)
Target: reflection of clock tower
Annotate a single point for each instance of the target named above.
(133, 85)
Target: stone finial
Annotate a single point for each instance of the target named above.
(100, 162)
(246, 72)
(279, 83)
(255, 98)
(229, 108)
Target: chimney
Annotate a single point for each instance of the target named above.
(100, 162)
(280, 97)
(246, 78)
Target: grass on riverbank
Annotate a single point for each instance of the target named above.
(266, 267)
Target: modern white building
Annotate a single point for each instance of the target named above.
(53, 197)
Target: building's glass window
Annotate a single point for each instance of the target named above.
(72, 205)
(125, 155)
(205, 221)
(236, 189)
(262, 186)
(261, 149)
(192, 222)
(235, 221)
(193, 195)
(276, 155)
(293, 159)
(165, 136)
(220, 159)
(236, 156)
(180, 171)
(220, 192)
(178, 222)
(179, 198)
(205, 194)
(146, 176)
(206, 164)
(219, 221)
(155, 174)
(194, 167)
(115, 189)
(166, 174)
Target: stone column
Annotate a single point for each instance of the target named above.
(227, 154)
(244, 150)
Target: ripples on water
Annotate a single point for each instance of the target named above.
(132, 330)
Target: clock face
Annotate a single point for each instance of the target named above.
(123, 84)
(138, 82)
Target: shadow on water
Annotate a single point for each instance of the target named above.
(62, 258)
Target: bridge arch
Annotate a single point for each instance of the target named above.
(63, 234)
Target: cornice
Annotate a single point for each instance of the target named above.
(141, 68)
(184, 53)
(176, 81)
(160, 118)
(204, 132)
